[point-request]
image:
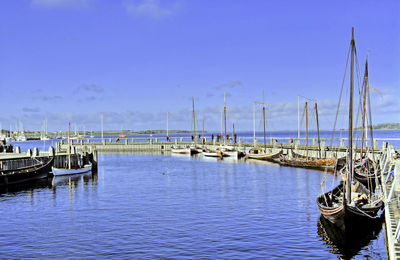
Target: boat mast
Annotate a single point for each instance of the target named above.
(298, 118)
(265, 145)
(194, 122)
(225, 117)
(233, 130)
(306, 108)
(364, 107)
(254, 121)
(102, 119)
(203, 130)
(350, 155)
(319, 141)
(167, 125)
(69, 146)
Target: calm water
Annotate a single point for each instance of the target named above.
(143, 206)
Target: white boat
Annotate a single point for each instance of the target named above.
(66, 171)
(69, 170)
(181, 150)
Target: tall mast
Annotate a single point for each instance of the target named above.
(225, 117)
(167, 124)
(319, 141)
(254, 121)
(265, 146)
(350, 172)
(364, 107)
(306, 108)
(194, 122)
(69, 145)
(298, 118)
(203, 129)
(102, 119)
(233, 130)
(221, 121)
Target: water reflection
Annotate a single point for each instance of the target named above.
(28, 187)
(347, 244)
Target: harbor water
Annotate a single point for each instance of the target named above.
(149, 206)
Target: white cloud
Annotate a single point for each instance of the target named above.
(61, 3)
(152, 9)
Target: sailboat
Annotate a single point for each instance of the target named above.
(226, 150)
(68, 170)
(365, 168)
(318, 163)
(261, 153)
(350, 204)
(44, 136)
(188, 149)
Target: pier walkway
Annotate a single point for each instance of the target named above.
(390, 169)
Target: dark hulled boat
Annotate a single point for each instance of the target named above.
(350, 203)
(363, 208)
(36, 170)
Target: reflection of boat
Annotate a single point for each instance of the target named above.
(34, 169)
(347, 244)
(67, 169)
(62, 180)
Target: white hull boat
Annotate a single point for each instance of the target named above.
(65, 171)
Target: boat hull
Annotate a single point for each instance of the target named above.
(62, 171)
(27, 174)
(265, 156)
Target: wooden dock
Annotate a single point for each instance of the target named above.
(128, 145)
(391, 189)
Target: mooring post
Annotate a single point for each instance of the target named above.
(51, 151)
(341, 142)
(35, 152)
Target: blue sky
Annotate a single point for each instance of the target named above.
(134, 60)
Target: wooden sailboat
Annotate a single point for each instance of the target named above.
(318, 163)
(68, 170)
(366, 170)
(18, 171)
(261, 153)
(188, 149)
(350, 204)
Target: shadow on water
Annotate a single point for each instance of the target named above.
(347, 244)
